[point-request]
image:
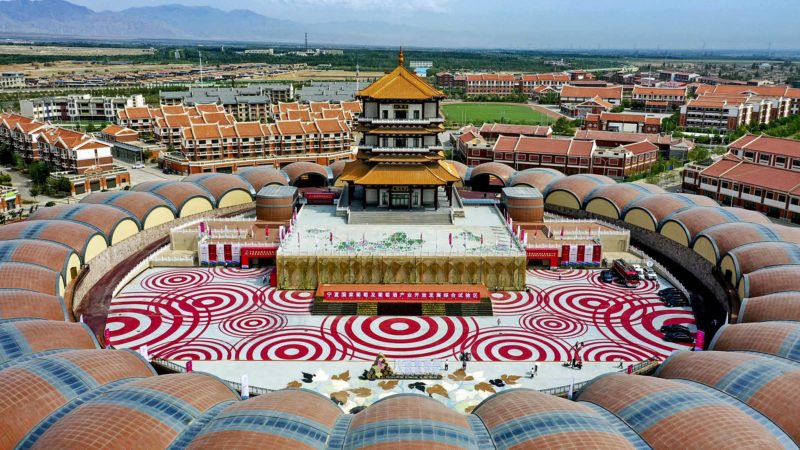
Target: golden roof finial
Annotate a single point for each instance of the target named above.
(401, 58)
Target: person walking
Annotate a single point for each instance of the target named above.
(446, 365)
(498, 321)
(536, 369)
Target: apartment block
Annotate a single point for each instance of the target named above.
(759, 173)
(622, 122)
(10, 80)
(491, 84)
(67, 150)
(578, 101)
(658, 98)
(78, 108)
(724, 108)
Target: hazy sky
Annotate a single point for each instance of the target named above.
(549, 23)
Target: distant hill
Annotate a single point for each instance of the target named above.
(60, 17)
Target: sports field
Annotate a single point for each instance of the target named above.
(480, 113)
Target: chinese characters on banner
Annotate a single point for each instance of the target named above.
(399, 296)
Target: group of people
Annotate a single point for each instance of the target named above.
(576, 362)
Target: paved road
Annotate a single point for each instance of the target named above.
(149, 173)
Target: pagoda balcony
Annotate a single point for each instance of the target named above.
(378, 121)
(433, 148)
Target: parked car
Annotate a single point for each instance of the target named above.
(138, 166)
(606, 276)
(668, 290)
(677, 336)
(168, 171)
(676, 303)
(650, 274)
(675, 328)
(675, 296)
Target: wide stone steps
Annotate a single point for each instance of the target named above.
(441, 217)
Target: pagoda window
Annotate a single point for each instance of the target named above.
(385, 114)
(400, 142)
(416, 114)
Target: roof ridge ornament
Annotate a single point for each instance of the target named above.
(400, 57)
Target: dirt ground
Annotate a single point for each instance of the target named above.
(302, 75)
(41, 50)
(83, 68)
(71, 68)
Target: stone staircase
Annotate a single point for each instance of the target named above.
(413, 217)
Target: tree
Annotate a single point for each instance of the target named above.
(62, 185)
(91, 128)
(563, 126)
(39, 173)
(698, 154)
(6, 154)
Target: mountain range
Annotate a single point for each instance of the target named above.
(62, 18)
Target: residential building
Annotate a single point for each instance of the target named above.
(10, 80)
(759, 173)
(259, 51)
(250, 103)
(524, 152)
(682, 77)
(78, 108)
(572, 156)
(445, 79)
(724, 108)
(658, 98)
(66, 150)
(529, 82)
(579, 101)
(500, 84)
(668, 145)
(622, 122)
(116, 133)
(328, 91)
(492, 131)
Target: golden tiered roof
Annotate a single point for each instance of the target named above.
(432, 173)
(401, 84)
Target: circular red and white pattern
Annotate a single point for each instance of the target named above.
(286, 302)
(259, 322)
(291, 343)
(214, 302)
(241, 274)
(400, 337)
(514, 344)
(230, 314)
(561, 274)
(611, 351)
(169, 280)
(549, 324)
(580, 302)
(201, 349)
(515, 303)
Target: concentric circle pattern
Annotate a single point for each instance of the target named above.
(232, 314)
(553, 325)
(169, 280)
(400, 337)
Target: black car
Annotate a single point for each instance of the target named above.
(607, 276)
(676, 303)
(668, 291)
(677, 336)
(673, 295)
(675, 328)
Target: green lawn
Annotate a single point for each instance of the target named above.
(480, 113)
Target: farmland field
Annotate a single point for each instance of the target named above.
(479, 113)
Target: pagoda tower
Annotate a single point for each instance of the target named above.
(400, 162)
